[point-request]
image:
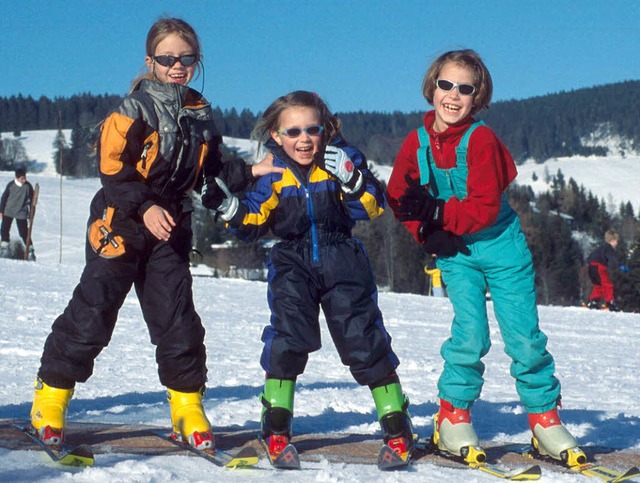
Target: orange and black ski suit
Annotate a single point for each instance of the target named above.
(153, 150)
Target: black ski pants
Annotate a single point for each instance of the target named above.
(160, 273)
(342, 284)
(23, 229)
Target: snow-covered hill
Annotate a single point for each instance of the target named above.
(596, 359)
(614, 178)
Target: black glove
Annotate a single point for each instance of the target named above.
(212, 195)
(418, 204)
(442, 243)
(218, 198)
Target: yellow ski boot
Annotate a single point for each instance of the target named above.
(49, 412)
(188, 419)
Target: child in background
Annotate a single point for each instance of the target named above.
(16, 204)
(600, 259)
(157, 146)
(448, 186)
(312, 206)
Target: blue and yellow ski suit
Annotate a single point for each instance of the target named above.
(317, 264)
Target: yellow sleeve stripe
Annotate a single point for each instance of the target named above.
(371, 205)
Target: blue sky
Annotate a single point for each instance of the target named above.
(358, 55)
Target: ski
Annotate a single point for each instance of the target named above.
(81, 455)
(287, 459)
(388, 459)
(529, 473)
(32, 214)
(245, 458)
(594, 470)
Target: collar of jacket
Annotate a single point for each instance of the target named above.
(452, 132)
(171, 93)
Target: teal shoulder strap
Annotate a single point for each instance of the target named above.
(461, 149)
(423, 156)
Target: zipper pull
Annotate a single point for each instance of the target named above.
(144, 154)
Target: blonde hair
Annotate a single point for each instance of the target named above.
(159, 31)
(467, 58)
(611, 235)
(270, 119)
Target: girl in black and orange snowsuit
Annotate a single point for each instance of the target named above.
(158, 146)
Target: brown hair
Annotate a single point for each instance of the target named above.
(270, 119)
(467, 58)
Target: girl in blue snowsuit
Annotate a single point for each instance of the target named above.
(448, 187)
(312, 206)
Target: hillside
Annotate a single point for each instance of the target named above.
(613, 178)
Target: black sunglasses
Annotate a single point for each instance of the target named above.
(294, 132)
(463, 89)
(170, 60)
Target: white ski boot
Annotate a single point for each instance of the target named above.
(453, 433)
(551, 438)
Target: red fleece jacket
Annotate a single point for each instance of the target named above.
(491, 169)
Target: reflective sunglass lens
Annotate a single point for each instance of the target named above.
(188, 60)
(313, 130)
(466, 89)
(445, 85)
(165, 60)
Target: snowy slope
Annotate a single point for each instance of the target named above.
(596, 360)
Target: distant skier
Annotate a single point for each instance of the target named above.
(448, 185)
(318, 264)
(16, 204)
(600, 262)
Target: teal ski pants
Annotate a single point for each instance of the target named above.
(503, 264)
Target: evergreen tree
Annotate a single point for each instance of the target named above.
(61, 153)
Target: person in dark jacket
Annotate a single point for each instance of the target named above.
(600, 261)
(312, 206)
(156, 147)
(16, 204)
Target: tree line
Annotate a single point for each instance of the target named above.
(538, 128)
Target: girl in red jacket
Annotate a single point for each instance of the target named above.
(448, 188)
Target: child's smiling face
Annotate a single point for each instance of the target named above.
(301, 148)
(175, 46)
(451, 106)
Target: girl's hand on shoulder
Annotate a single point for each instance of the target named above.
(265, 167)
(159, 222)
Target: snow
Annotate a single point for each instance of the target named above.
(596, 360)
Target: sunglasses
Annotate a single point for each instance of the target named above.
(463, 89)
(294, 132)
(170, 60)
